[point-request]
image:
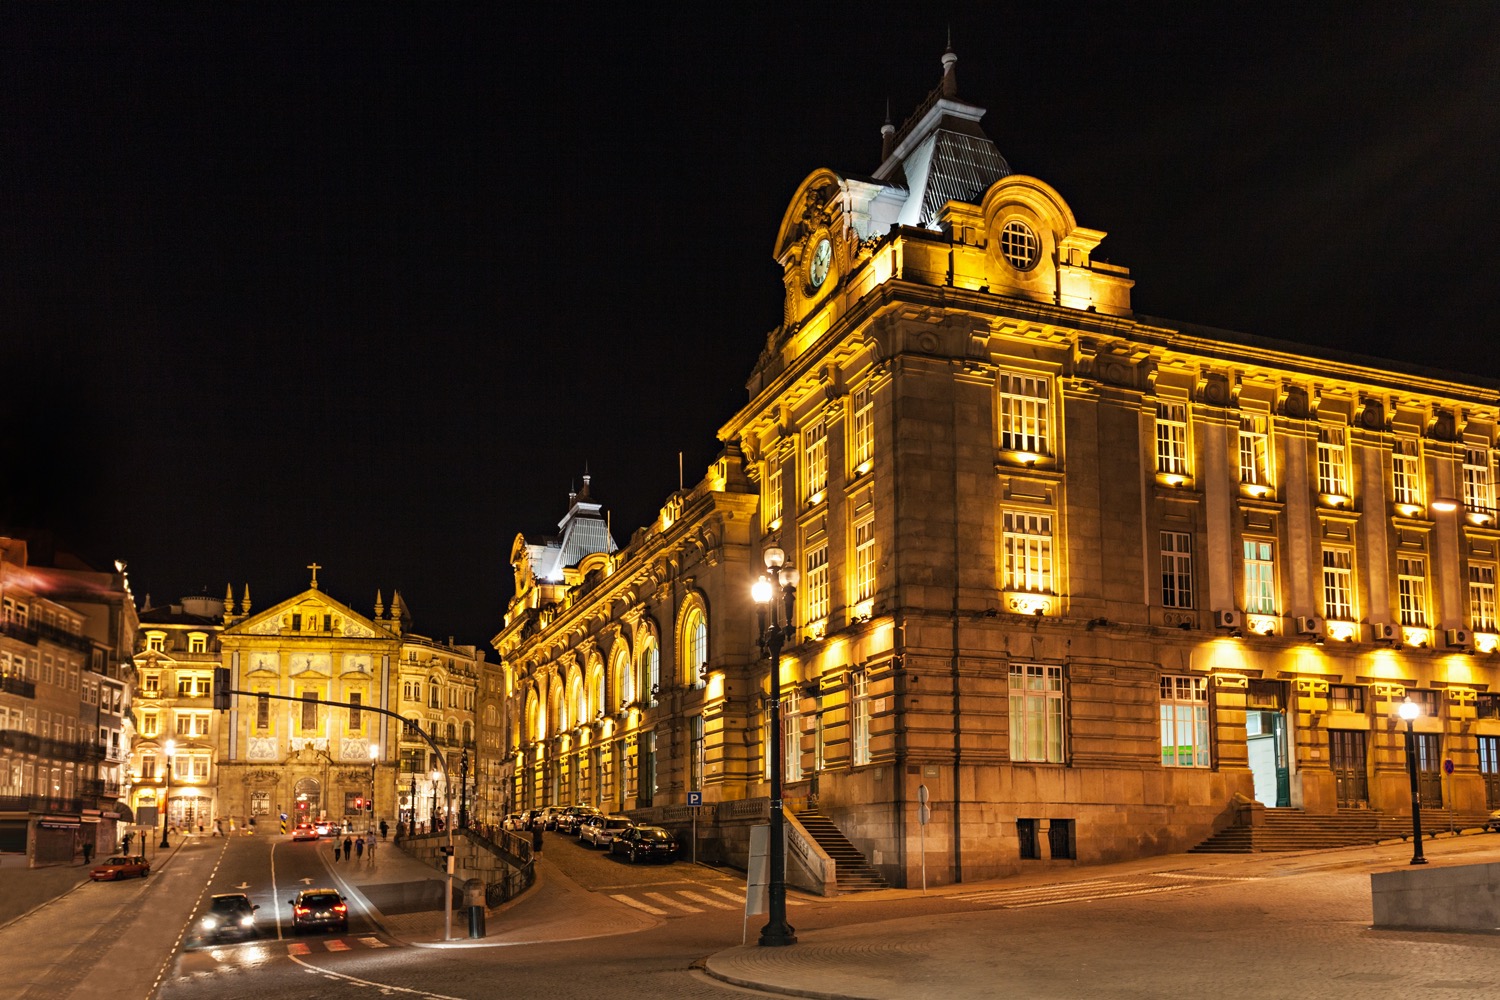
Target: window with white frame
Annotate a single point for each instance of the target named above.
(864, 555)
(859, 697)
(1171, 437)
(1406, 472)
(150, 724)
(156, 642)
(1482, 597)
(862, 430)
(197, 642)
(791, 735)
(1176, 569)
(1255, 449)
(816, 587)
(1260, 577)
(695, 758)
(1332, 475)
(695, 647)
(1036, 713)
(1028, 551)
(1478, 490)
(192, 723)
(1184, 721)
(773, 499)
(1025, 412)
(1338, 584)
(1411, 586)
(150, 684)
(815, 459)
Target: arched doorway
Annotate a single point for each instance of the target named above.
(307, 800)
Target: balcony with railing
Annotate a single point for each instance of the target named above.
(82, 751)
(10, 684)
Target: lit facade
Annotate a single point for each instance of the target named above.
(1090, 579)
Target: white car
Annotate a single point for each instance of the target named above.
(600, 830)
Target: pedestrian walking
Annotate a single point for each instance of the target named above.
(218, 828)
(88, 851)
(359, 848)
(383, 829)
(370, 843)
(251, 830)
(337, 847)
(348, 848)
(536, 838)
(125, 842)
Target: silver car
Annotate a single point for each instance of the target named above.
(600, 830)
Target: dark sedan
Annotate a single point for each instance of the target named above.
(644, 843)
(230, 915)
(319, 909)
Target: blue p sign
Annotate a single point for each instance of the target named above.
(695, 798)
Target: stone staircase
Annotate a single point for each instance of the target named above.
(855, 874)
(1295, 830)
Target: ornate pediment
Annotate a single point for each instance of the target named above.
(357, 663)
(310, 664)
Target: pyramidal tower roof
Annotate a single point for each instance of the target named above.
(582, 532)
(941, 153)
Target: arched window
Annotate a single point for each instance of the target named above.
(595, 689)
(693, 643)
(579, 701)
(648, 668)
(450, 732)
(622, 675)
(536, 716)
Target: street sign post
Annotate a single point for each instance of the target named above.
(924, 813)
(695, 801)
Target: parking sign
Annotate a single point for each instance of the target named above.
(695, 798)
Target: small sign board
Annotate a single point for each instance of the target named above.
(695, 798)
(1448, 766)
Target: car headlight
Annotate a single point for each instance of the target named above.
(209, 923)
(247, 920)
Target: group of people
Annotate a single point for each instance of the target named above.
(354, 846)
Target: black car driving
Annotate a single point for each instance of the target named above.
(319, 908)
(230, 915)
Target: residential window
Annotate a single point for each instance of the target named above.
(1171, 438)
(695, 759)
(309, 711)
(150, 724)
(1028, 551)
(1428, 701)
(1478, 496)
(156, 642)
(1260, 577)
(1184, 721)
(194, 685)
(864, 556)
(860, 712)
(649, 661)
(862, 437)
(695, 648)
(1036, 713)
(1332, 477)
(192, 723)
(1025, 413)
(1176, 569)
(151, 684)
(148, 767)
(197, 643)
(1255, 450)
(1406, 472)
(773, 499)
(1487, 705)
(815, 459)
(355, 722)
(1482, 597)
(816, 587)
(1411, 585)
(791, 735)
(1346, 698)
(1338, 584)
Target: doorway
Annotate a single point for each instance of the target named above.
(1266, 743)
(1347, 756)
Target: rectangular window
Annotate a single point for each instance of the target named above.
(156, 643)
(1478, 496)
(1346, 698)
(1062, 839)
(864, 556)
(1176, 569)
(1184, 721)
(1481, 597)
(1026, 837)
(1260, 577)
(309, 711)
(1028, 551)
(816, 587)
(862, 434)
(1338, 584)
(1171, 438)
(355, 722)
(150, 724)
(262, 712)
(1332, 478)
(860, 721)
(1036, 713)
(1411, 585)
(148, 767)
(1025, 413)
(1487, 705)
(815, 459)
(200, 767)
(1406, 475)
(197, 644)
(791, 735)
(151, 684)
(1255, 450)
(773, 499)
(695, 773)
(1429, 701)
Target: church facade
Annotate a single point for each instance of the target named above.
(1086, 582)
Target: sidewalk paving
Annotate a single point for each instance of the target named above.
(24, 889)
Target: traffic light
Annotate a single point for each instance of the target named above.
(359, 804)
(223, 698)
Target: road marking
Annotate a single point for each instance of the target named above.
(373, 942)
(1096, 896)
(737, 898)
(334, 944)
(666, 900)
(705, 900)
(297, 948)
(1207, 878)
(639, 905)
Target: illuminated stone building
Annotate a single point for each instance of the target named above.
(1093, 581)
(304, 757)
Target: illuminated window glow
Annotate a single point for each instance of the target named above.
(1171, 438)
(1332, 475)
(1482, 597)
(1411, 585)
(1184, 722)
(1024, 406)
(864, 557)
(862, 436)
(1036, 713)
(1255, 450)
(815, 459)
(1479, 496)
(1176, 569)
(1406, 472)
(1260, 577)
(1338, 584)
(1028, 551)
(816, 577)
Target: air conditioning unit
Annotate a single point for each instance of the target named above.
(1460, 638)
(1228, 619)
(1310, 625)
(1383, 632)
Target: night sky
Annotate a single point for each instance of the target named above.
(373, 285)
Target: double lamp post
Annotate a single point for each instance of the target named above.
(773, 638)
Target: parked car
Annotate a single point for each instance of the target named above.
(546, 818)
(304, 831)
(120, 866)
(644, 843)
(328, 827)
(600, 830)
(572, 818)
(230, 915)
(1494, 823)
(514, 821)
(319, 908)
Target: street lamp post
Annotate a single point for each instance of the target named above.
(171, 748)
(773, 637)
(463, 790)
(432, 812)
(1409, 711)
(411, 813)
(370, 813)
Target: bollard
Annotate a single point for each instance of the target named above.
(474, 900)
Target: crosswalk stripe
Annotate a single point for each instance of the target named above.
(334, 944)
(666, 900)
(639, 905)
(373, 942)
(736, 897)
(1046, 890)
(1101, 895)
(706, 901)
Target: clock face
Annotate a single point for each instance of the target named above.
(822, 258)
